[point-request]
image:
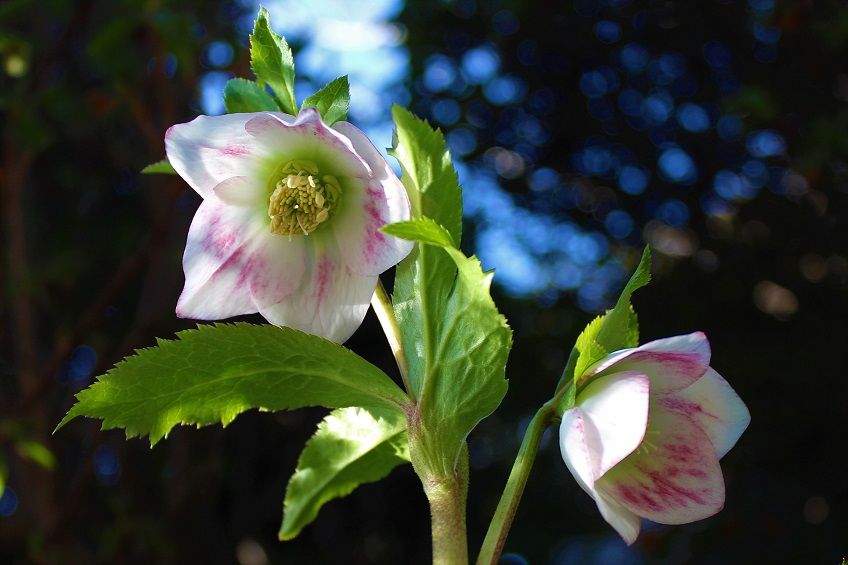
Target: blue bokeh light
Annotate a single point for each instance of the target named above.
(633, 58)
(481, 64)
(505, 90)
(8, 502)
(593, 84)
(619, 224)
(82, 363)
(107, 468)
(633, 180)
(446, 111)
(439, 73)
(693, 117)
(607, 31)
(219, 53)
(675, 165)
(729, 127)
(674, 212)
(461, 140)
(765, 143)
(212, 92)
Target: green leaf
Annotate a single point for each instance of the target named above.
(159, 167)
(424, 279)
(424, 230)
(352, 446)
(332, 101)
(241, 95)
(216, 372)
(36, 452)
(464, 380)
(272, 62)
(617, 329)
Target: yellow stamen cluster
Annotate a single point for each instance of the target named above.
(302, 199)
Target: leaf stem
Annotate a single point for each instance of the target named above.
(382, 305)
(502, 520)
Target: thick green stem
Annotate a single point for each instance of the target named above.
(502, 520)
(382, 305)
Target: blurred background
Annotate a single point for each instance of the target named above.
(716, 131)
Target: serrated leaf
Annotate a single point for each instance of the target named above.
(424, 279)
(423, 230)
(241, 95)
(35, 452)
(332, 101)
(272, 62)
(352, 446)
(216, 372)
(617, 329)
(464, 379)
(162, 167)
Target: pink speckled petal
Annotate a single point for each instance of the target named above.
(307, 137)
(617, 405)
(715, 407)
(211, 149)
(367, 207)
(625, 522)
(673, 478)
(331, 300)
(671, 363)
(233, 263)
(220, 241)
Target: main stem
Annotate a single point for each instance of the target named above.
(447, 496)
(505, 512)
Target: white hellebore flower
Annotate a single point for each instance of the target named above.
(290, 221)
(647, 431)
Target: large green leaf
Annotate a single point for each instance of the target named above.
(332, 101)
(424, 279)
(272, 62)
(241, 95)
(470, 341)
(216, 372)
(352, 446)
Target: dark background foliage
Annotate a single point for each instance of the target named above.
(716, 131)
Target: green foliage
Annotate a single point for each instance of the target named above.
(215, 372)
(423, 230)
(332, 101)
(272, 62)
(36, 452)
(352, 446)
(162, 167)
(466, 357)
(617, 329)
(241, 95)
(424, 279)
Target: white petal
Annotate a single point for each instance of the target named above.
(671, 363)
(220, 241)
(331, 300)
(369, 206)
(577, 442)
(617, 405)
(625, 522)
(307, 137)
(715, 407)
(673, 478)
(211, 149)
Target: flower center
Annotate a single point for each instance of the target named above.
(302, 199)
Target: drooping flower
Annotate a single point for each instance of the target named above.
(647, 431)
(290, 219)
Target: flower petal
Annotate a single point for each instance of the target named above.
(617, 405)
(673, 478)
(671, 363)
(715, 407)
(307, 137)
(368, 207)
(220, 239)
(625, 522)
(578, 440)
(331, 300)
(211, 149)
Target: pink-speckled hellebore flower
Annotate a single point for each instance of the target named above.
(647, 431)
(290, 219)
